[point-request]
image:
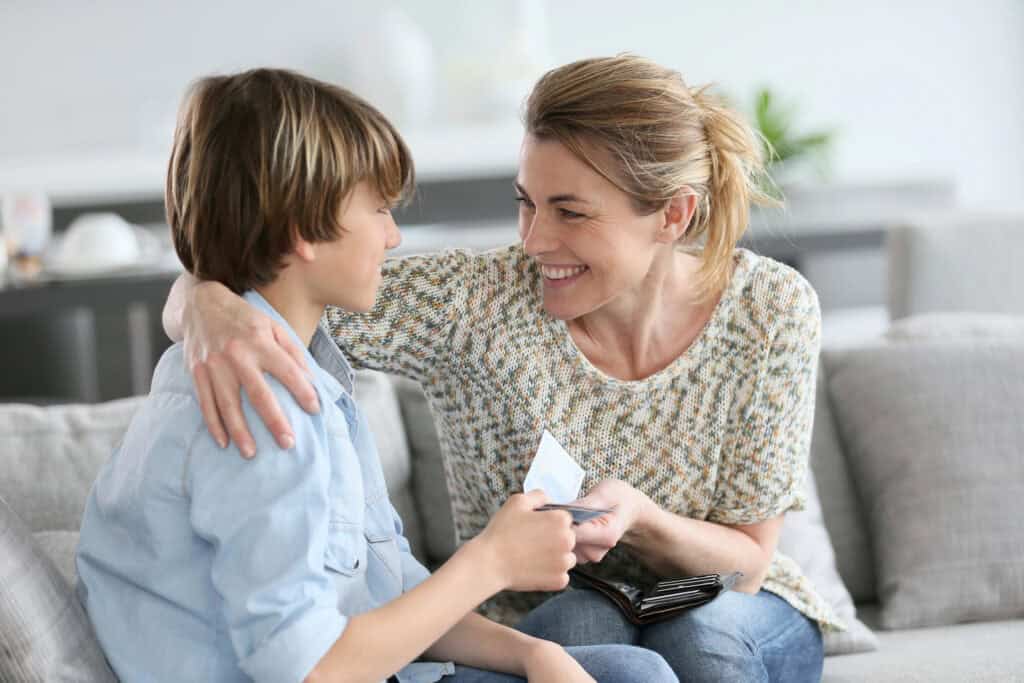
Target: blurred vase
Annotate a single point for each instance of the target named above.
(27, 220)
(393, 66)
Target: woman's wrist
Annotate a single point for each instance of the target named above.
(646, 514)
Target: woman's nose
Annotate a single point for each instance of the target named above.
(536, 237)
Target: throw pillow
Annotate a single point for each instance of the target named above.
(841, 507)
(805, 541)
(934, 433)
(45, 634)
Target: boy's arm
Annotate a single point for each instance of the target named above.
(520, 549)
(267, 521)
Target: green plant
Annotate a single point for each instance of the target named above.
(783, 147)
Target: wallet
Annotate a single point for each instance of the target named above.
(663, 600)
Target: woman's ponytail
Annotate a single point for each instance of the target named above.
(734, 182)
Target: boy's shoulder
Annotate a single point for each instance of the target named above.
(173, 383)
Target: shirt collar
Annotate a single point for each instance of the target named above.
(331, 370)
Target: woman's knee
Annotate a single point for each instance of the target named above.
(625, 663)
(577, 618)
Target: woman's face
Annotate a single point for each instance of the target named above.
(592, 247)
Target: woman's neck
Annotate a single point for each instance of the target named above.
(642, 332)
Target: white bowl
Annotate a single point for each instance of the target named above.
(95, 243)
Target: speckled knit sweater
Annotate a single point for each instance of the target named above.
(721, 434)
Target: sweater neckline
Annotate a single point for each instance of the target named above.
(700, 346)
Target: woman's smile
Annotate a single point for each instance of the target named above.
(562, 275)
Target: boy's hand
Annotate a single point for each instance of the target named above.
(229, 345)
(550, 663)
(529, 550)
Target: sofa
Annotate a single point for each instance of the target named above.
(914, 518)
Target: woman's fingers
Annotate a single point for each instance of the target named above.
(227, 394)
(208, 404)
(285, 342)
(286, 362)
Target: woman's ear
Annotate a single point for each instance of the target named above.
(678, 213)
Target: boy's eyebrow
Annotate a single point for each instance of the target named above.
(554, 199)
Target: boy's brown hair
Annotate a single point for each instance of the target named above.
(265, 156)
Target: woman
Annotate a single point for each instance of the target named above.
(677, 369)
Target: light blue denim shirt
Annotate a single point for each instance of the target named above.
(197, 565)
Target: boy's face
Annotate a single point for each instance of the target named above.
(347, 271)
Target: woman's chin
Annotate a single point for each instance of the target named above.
(560, 308)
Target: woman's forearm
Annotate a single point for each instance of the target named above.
(174, 309)
(671, 544)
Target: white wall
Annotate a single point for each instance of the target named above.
(914, 89)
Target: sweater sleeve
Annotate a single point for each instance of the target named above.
(421, 300)
(762, 475)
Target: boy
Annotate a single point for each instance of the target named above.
(195, 565)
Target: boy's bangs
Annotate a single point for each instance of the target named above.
(385, 160)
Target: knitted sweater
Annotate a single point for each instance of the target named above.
(721, 434)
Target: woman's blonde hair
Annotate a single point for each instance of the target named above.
(662, 136)
(265, 156)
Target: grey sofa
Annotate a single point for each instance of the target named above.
(49, 456)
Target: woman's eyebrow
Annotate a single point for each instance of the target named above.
(554, 199)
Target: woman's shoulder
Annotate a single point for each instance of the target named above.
(769, 290)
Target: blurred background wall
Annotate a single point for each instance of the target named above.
(922, 102)
(914, 88)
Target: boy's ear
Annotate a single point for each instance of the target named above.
(678, 213)
(304, 250)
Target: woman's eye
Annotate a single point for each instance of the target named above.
(566, 213)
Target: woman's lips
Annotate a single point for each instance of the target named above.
(562, 276)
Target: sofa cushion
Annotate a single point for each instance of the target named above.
(947, 654)
(956, 261)
(933, 434)
(49, 457)
(841, 507)
(429, 483)
(805, 540)
(45, 634)
(376, 398)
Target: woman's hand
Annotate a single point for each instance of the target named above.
(595, 538)
(550, 663)
(228, 346)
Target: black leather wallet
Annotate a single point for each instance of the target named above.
(663, 600)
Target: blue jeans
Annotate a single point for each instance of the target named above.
(736, 637)
(611, 663)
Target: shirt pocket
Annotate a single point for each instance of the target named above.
(346, 549)
(382, 544)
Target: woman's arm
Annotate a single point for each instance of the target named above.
(673, 545)
(228, 346)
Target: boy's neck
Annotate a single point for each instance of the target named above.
(294, 305)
